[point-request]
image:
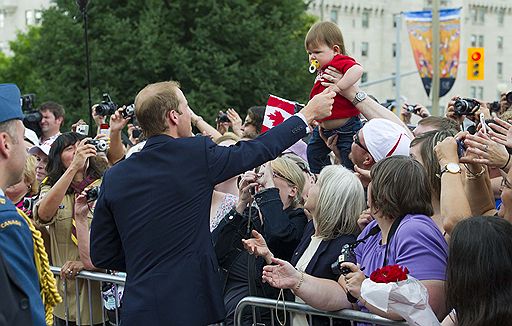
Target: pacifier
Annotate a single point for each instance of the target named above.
(313, 67)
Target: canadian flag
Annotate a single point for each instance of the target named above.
(277, 111)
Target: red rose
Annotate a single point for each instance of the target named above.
(390, 273)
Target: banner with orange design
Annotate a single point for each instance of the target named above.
(419, 28)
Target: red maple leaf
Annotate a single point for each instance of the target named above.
(276, 117)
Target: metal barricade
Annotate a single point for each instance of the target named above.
(88, 277)
(346, 314)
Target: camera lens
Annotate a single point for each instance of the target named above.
(509, 97)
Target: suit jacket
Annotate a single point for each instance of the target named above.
(152, 221)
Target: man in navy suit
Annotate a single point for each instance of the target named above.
(152, 215)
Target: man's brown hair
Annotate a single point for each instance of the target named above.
(399, 187)
(325, 33)
(55, 108)
(153, 103)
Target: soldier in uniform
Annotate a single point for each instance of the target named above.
(24, 268)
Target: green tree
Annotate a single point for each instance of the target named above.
(224, 53)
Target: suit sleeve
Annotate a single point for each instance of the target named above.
(106, 247)
(226, 162)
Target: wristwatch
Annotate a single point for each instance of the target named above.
(360, 96)
(450, 167)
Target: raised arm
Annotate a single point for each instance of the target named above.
(47, 207)
(351, 76)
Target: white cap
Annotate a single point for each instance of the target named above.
(31, 136)
(384, 138)
(43, 148)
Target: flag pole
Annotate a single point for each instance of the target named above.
(435, 58)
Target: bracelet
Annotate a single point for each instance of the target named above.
(297, 287)
(473, 175)
(506, 164)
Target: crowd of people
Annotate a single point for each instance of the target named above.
(201, 216)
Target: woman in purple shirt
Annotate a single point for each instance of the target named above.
(403, 233)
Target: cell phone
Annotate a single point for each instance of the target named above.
(461, 148)
(105, 129)
(83, 129)
(484, 128)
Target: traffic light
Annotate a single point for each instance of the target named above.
(475, 63)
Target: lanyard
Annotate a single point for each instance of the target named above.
(392, 231)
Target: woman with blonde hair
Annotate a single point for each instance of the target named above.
(276, 190)
(334, 203)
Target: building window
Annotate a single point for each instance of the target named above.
(334, 16)
(500, 70)
(364, 49)
(481, 41)
(481, 15)
(2, 19)
(29, 17)
(38, 16)
(500, 42)
(366, 19)
(474, 14)
(33, 17)
(480, 92)
(364, 77)
(472, 92)
(394, 50)
(473, 40)
(501, 17)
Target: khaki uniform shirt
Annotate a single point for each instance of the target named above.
(64, 249)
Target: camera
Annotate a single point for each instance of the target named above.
(509, 97)
(28, 203)
(465, 106)
(136, 132)
(106, 107)
(32, 117)
(494, 106)
(100, 144)
(128, 112)
(347, 255)
(412, 108)
(82, 129)
(92, 194)
(222, 117)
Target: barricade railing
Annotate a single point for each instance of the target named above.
(88, 277)
(345, 314)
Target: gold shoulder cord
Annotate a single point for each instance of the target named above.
(49, 292)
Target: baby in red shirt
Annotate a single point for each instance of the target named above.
(325, 47)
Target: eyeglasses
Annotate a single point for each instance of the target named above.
(279, 175)
(358, 142)
(505, 183)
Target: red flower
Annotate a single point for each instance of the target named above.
(390, 273)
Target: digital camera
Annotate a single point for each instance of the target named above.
(106, 107)
(32, 117)
(412, 108)
(222, 117)
(128, 112)
(465, 106)
(509, 97)
(494, 106)
(92, 194)
(347, 255)
(100, 144)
